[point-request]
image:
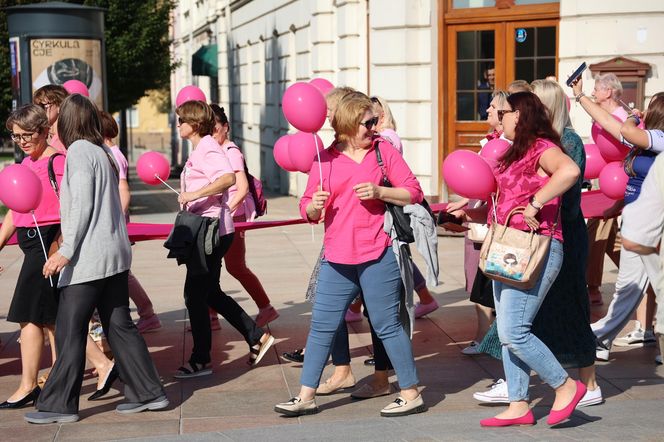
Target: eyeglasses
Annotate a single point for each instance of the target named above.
(26, 138)
(45, 106)
(370, 123)
(501, 113)
(181, 121)
(375, 100)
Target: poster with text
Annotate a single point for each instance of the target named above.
(57, 60)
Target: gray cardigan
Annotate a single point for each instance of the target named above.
(94, 231)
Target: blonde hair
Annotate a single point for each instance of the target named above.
(501, 96)
(335, 95)
(519, 86)
(199, 115)
(610, 81)
(380, 105)
(348, 115)
(553, 97)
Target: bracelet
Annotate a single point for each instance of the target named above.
(579, 97)
(637, 120)
(533, 202)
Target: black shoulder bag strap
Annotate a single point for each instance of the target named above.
(51, 174)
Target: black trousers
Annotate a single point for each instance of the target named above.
(77, 302)
(202, 291)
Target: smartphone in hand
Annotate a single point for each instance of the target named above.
(577, 73)
(450, 222)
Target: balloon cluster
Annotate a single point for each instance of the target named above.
(305, 109)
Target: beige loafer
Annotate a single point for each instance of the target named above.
(402, 407)
(329, 387)
(297, 407)
(367, 391)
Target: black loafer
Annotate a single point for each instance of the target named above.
(370, 362)
(294, 356)
(112, 377)
(28, 398)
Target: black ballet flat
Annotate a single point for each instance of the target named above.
(113, 375)
(28, 398)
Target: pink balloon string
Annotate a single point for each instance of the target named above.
(41, 240)
(320, 168)
(166, 184)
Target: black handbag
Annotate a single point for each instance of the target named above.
(400, 219)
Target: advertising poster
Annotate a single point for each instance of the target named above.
(57, 60)
(15, 67)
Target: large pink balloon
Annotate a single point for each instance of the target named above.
(494, 149)
(469, 175)
(189, 93)
(76, 87)
(302, 150)
(150, 165)
(610, 148)
(613, 180)
(322, 85)
(594, 162)
(20, 188)
(304, 107)
(281, 155)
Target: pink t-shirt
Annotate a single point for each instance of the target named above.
(353, 228)
(391, 136)
(246, 208)
(205, 164)
(123, 166)
(57, 144)
(48, 211)
(517, 184)
(620, 113)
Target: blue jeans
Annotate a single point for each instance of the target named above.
(522, 350)
(338, 285)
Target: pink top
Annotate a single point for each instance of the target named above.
(354, 229)
(247, 207)
(123, 166)
(57, 144)
(205, 164)
(620, 113)
(391, 136)
(517, 184)
(48, 211)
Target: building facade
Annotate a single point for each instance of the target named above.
(433, 61)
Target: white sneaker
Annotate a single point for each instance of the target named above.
(592, 397)
(496, 394)
(602, 354)
(472, 349)
(637, 337)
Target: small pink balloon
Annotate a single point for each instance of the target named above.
(595, 162)
(20, 188)
(613, 180)
(281, 156)
(302, 150)
(304, 107)
(151, 165)
(469, 175)
(189, 93)
(610, 148)
(323, 85)
(76, 87)
(495, 149)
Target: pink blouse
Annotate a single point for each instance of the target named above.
(353, 228)
(205, 164)
(48, 211)
(517, 184)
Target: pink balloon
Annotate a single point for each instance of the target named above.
(189, 93)
(495, 149)
(76, 87)
(150, 165)
(302, 150)
(469, 175)
(610, 148)
(323, 85)
(595, 162)
(304, 107)
(613, 180)
(20, 188)
(281, 155)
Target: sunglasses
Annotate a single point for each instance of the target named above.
(16, 138)
(501, 113)
(370, 123)
(45, 106)
(181, 121)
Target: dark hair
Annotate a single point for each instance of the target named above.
(197, 114)
(219, 114)
(79, 120)
(109, 127)
(534, 123)
(655, 113)
(29, 117)
(53, 93)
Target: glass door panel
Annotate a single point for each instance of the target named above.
(532, 46)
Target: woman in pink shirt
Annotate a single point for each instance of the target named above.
(358, 253)
(533, 173)
(205, 179)
(50, 98)
(34, 304)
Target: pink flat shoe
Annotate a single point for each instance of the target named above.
(526, 419)
(557, 416)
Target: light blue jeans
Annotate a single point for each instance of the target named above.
(338, 285)
(522, 351)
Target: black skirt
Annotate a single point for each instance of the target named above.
(482, 291)
(34, 299)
